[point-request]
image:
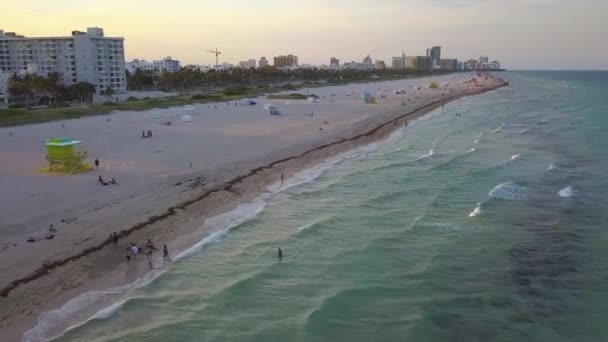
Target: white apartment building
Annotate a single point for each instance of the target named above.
(81, 57)
(248, 64)
(167, 64)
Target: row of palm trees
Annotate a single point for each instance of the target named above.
(191, 79)
(32, 90)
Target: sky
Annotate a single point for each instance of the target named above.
(522, 34)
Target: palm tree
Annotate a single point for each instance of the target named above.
(108, 93)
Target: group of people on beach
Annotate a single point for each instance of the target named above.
(133, 250)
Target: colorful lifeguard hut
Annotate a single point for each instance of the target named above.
(63, 158)
(368, 98)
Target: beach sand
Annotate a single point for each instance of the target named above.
(170, 185)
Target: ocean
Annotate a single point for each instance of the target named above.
(485, 220)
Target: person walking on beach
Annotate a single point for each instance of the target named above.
(128, 255)
(134, 250)
(282, 178)
(166, 253)
(96, 163)
(150, 245)
(149, 255)
(280, 254)
(114, 238)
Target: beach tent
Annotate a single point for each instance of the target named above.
(63, 158)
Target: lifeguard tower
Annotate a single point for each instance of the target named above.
(368, 98)
(63, 158)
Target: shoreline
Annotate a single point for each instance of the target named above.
(219, 199)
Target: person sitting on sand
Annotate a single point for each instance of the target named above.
(52, 229)
(31, 238)
(143, 134)
(100, 179)
(113, 181)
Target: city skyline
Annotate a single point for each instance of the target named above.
(569, 36)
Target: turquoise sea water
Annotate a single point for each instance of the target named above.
(488, 226)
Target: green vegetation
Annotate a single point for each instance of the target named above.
(293, 96)
(235, 90)
(195, 85)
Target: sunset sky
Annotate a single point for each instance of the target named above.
(522, 34)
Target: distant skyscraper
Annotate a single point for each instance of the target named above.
(263, 62)
(435, 54)
(334, 62)
(448, 64)
(286, 61)
(422, 63)
(399, 62)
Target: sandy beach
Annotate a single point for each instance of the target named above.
(171, 187)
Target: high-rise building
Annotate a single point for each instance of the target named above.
(368, 60)
(448, 64)
(399, 62)
(334, 62)
(82, 57)
(434, 54)
(248, 64)
(471, 64)
(286, 61)
(263, 62)
(483, 59)
(422, 63)
(380, 65)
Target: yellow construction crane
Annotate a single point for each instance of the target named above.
(217, 54)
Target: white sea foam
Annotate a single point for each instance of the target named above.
(432, 224)
(515, 156)
(568, 192)
(509, 191)
(427, 155)
(476, 141)
(499, 128)
(477, 211)
(552, 167)
(472, 150)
